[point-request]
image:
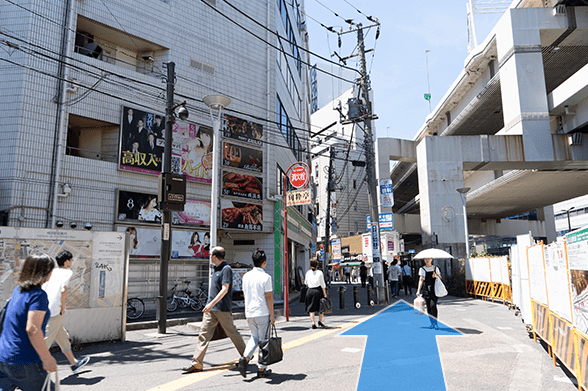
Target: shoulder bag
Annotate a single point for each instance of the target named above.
(3, 315)
(270, 348)
(326, 306)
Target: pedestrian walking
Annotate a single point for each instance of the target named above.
(259, 310)
(363, 274)
(347, 274)
(316, 291)
(56, 289)
(394, 273)
(427, 276)
(217, 312)
(24, 357)
(407, 278)
(354, 275)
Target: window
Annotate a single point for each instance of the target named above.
(92, 139)
(281, 177)
(355, 185)
(288, 130)
(290, 34)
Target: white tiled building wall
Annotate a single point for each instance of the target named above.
(244, 69)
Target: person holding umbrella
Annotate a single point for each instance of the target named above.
(427, 276)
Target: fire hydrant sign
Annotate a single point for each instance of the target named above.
(298, 197)
(299, 176)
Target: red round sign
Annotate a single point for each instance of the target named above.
(299, 176)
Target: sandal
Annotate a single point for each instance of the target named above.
(195, 367)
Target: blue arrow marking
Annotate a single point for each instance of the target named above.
(401, 350)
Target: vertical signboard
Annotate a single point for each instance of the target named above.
(386, 193)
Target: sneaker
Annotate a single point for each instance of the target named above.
(242, 366)
(195, 367)
(264, 373)
(77, 367)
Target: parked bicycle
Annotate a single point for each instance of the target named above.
(135, 308)
(183, 299)
(198, 292)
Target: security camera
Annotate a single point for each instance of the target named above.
(73, 225)
(88, 226)
(183, 113)
(66, 189)
(59, 224)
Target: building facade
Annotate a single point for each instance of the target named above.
(83, 93)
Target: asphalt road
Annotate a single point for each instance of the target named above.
(494, 352)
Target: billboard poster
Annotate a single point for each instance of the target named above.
(195, 212)
(192, 151)
(144, 242)
(241, 215)
(576, 247)
(242, 157)
(242, 186)
(386, 193)
(241, 130)
(138, 207)
(190, 244)
(142, 143)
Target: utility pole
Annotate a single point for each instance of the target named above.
(330, 188)
(377, 265)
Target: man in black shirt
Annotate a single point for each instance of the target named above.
(217, 312)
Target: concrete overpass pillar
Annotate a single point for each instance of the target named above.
(440, 170)
(522, 81)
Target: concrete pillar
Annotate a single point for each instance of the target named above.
(440, 170)
(522, 81)
(549, 223)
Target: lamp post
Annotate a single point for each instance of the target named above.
(463, 191)
(216, 104)
(569, 221)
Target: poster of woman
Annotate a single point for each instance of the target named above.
(139, 207)
(242, 157)
(192, 151)
(190, 244)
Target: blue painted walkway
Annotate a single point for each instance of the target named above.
(401, 350)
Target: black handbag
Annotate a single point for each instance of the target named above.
(326, 306)
(303, 290)
(270, 348)
(3, 315)
(219, 333)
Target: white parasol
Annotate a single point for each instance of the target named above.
(434, 253)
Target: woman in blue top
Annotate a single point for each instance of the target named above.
(24, 357)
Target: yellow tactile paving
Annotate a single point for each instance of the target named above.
(192, 378)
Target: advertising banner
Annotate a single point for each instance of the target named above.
(577, 248)
(336, 249)
(300, 197)
(241, 215)
(242, 186)
(138, 207)
(242, 157)
(196, 213)
(386, 221)
(190, 244)
(192, 151)
(142, 143)
(144, 242)
(245, 131)
(386, 193)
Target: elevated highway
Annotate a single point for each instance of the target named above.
(510, 128)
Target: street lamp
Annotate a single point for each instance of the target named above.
(569, 221)
(216, 104)
(463, 191)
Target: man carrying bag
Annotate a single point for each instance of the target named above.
(259, 311)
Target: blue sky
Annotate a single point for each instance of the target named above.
(397, 67)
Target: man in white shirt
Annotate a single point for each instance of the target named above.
(56, 289)
(394, 273)
(259, 309)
